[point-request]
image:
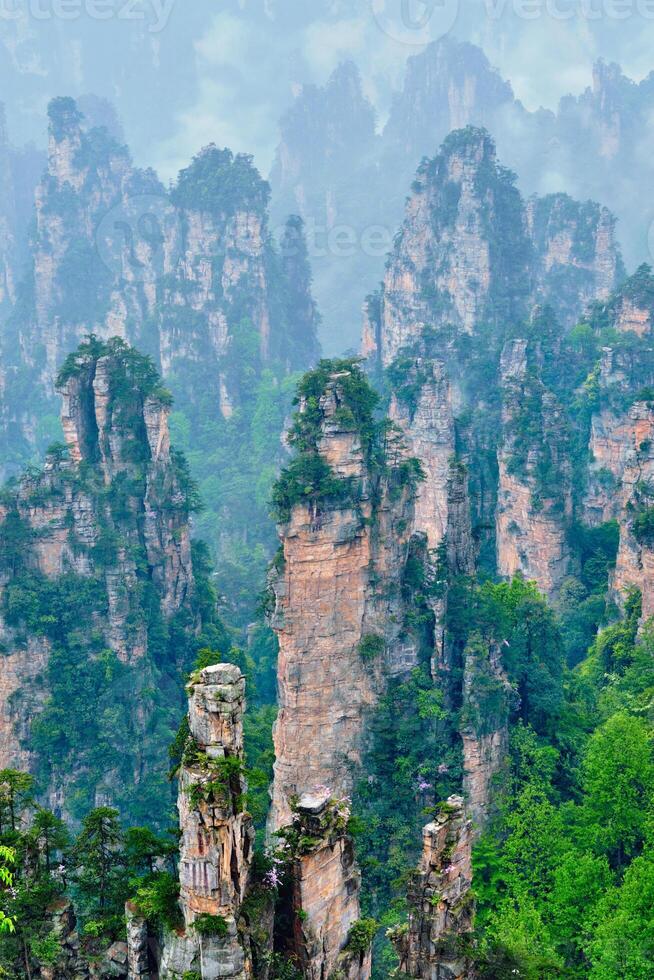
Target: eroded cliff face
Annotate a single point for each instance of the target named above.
(104, 526)
(486, 414)
(577, 257)
(635, 562)
(217, 836)
(324, 892)
(183, 274)
(462, 254)
(339, 614)
(72, 962)
(472, 254)
(610, 441)
(487, 699)
(621, 428)
(320, 134)
(88, 176)
(8, 223)
(535, 498)
(448, 86)
(441, 901)
(424, 411)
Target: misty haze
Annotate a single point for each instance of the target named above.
(327, 500)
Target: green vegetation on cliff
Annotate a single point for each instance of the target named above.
(107, 701)
(337, 396)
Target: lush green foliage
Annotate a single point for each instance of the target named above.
(563, 874)
(210, 925)
(42, 870)
(88, 723)
(309, 479)
(219, 182)
(361, 935)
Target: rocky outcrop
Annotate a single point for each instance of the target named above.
(487, 698)
(325, 891)
(577, 259)
(448, 86)
(472, 254)
(180, 273)
(594, 145)
(75, 959)
(8, 222)
(422, 407)
(339, 610)
(194, 276)
(462, 254)
(110, 514)
(217, 837)
(82, 270)
(631, 308)
(88, 176)
(610, 441)
(138, 944)
(534, 500)
(635, 560)
(320, 134)
(441, 902)
(621, 430)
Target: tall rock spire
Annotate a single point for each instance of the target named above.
(217, 837)
(100, 539)
(337, 588)
(441, 901)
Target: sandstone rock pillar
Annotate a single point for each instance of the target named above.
(338, 613)
(441, 903)
(325, 891)
(217, 835)
(138, 965)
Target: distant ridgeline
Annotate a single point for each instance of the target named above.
(189, 276)
(104, 600)
(345, 177)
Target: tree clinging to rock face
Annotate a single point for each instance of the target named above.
(97, 858)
